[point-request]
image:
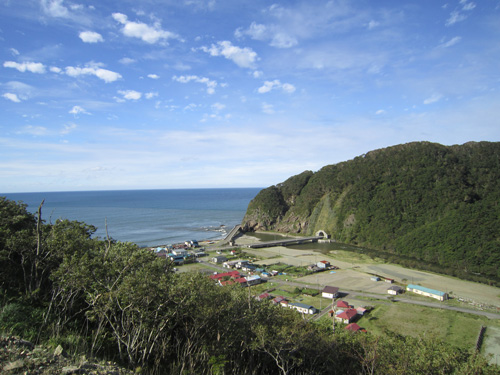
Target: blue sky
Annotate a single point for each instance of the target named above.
(144, 94)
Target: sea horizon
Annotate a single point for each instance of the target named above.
(147, 217)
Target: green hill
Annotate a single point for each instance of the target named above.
(421, 204)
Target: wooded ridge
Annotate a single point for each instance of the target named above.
(420, 204)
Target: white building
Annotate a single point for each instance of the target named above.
(422, 290)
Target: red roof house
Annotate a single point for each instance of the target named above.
(232, 275)
(347, 316)
(343, 304)
(353, 327)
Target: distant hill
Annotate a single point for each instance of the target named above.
(418, 204)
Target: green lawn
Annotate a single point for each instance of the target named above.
(454, 328)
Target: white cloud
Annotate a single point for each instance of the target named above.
(130, 94)
(243, 57)
(26, 66)
(126, 61)
(211, 85)
(380, 112)
(104, 74)
(467, 6)
(12, 97)
(68, 128)
(433, 98)
(76, 110)
(372, 24)
(268, 108)
(33, 130)
(257, 74)
(455, 17)
(151, 95)
(153, 76)
(451, 42)
(149, 34)
(270, 85)
(14, 52)
(55, 69)
(276, 37)
(217, 107)
(90, 37)
(54, 8)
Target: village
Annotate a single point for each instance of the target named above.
(234, 267)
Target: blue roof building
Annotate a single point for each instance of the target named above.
(422, 290)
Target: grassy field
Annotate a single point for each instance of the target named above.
(454, 328)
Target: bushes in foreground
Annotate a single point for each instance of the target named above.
(117, 301)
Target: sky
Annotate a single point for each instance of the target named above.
(159, 94)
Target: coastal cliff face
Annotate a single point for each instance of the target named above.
(423, 200)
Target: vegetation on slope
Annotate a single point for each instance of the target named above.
(115, 301)
(420, 203)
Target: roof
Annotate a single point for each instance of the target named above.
(264, 295)
(353, 327)
(342, 304)
(279, 299)
(253, 277)
(348, 314)
(324, 262)
(427, 290)
(330, 289)
(221, 275)
(302, 305)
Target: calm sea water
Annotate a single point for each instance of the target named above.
(148, 217)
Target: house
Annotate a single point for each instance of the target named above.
(343, 304)
(230, 264)
(253, 280)
(390, 281)
(302, 308)
(249, 268)
(346, 316)
(242, 281)
(441, 296)
(353, 327)
(242, 263)
(278, 299)
(375, 278)
(177, 259)
(330, 292)
(395, 290)
(230, 275)
(180, 252)
(323, 264)
(263, 296)
(219, 259)
(361, 310)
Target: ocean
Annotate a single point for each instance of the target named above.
(147, 217)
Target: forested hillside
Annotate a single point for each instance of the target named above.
(114, 301)
(420, 204)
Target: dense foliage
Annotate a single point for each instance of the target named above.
(419, 203)
(117, 301)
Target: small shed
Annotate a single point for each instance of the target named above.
(219, 259)
(395, 290)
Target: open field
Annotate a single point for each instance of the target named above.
(491, 344)
(355, 270)
(455, 328)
